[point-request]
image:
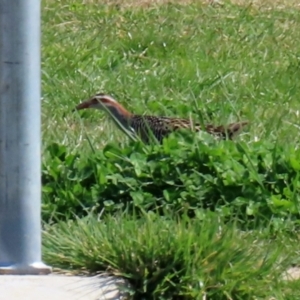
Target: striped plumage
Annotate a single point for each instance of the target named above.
(159, 126)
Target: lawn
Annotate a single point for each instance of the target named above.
(214, 63)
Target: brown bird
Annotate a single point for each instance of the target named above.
(144, 126)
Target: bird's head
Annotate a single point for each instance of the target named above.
(98, 101)
(106, 103)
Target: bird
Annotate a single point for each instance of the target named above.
(146, 126)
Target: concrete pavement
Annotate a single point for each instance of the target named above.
(61, 287)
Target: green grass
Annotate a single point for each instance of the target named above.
(216, 64)
(175, 259)
(227, 63)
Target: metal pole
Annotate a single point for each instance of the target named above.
(20, 162)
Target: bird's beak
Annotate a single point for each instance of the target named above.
(82, 105)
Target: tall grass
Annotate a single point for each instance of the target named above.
(167, 258)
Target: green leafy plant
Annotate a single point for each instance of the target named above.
(251, 182)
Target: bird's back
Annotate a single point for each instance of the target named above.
(160, 127)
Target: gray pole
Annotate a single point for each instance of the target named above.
(20, 161)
